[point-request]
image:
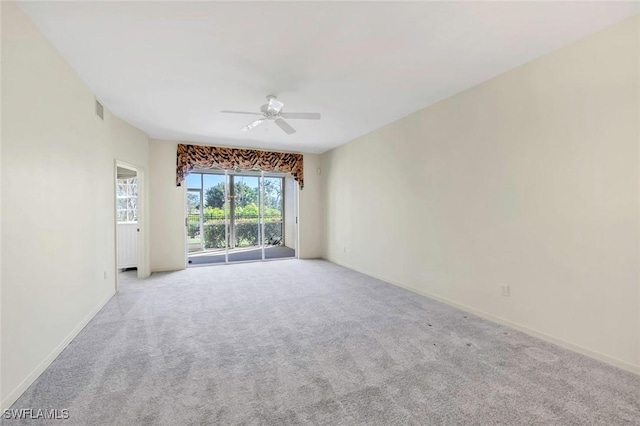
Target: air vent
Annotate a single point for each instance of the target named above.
(99, 110)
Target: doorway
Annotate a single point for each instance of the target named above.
(130, 221)
(240, 217)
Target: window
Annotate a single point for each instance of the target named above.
(127, 199)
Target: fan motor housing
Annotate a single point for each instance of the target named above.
(268, 114)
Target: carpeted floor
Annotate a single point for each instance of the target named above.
(302, 341)
(272, 252)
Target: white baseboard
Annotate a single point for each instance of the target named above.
(28, 381)
(168, 269)
(624, 365)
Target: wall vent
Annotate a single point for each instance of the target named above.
(99, 110)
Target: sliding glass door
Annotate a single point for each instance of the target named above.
(235, 217)
(245, 217)
(274, 218)
(195, 240)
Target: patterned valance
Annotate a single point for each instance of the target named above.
(205, 157)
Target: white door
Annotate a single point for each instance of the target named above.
(127, 218)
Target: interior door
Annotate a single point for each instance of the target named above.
(127, 218)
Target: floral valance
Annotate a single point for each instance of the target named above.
(205, 157)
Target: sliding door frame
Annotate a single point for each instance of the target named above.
(229, 183)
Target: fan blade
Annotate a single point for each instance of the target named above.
(301, 115)
(241, 112)
(275, 105)
(285, 126)
(252, 125)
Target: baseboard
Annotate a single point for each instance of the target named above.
(28, 381)
(169, 269)
(624, 365)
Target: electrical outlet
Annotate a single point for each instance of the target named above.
(344, 249)
(104, 274)
(504, 290)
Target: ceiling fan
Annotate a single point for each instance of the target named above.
(272, 110)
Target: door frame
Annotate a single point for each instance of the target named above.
(143, 235)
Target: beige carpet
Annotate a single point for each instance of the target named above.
(309, 342)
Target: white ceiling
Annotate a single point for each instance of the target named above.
(170, 67)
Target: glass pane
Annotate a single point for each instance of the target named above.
(246, 193)
(121, 188)
(132, 209)
(121, 204)
(193, 221)
(214, 230)
(273, 211)
(213, 190)
(214, 211)
(122, 215)
(132, 204)
(193, 202)
(194, 180)
(133, 187)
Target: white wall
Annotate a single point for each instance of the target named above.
(529, 180)
(1, 44)
(310, 210)
(167, 209)
(136, 154)
(57, 175)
